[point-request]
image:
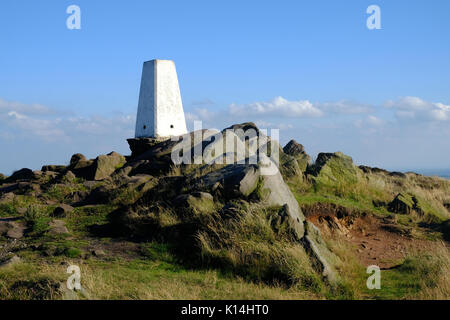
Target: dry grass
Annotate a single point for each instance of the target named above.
(248, 246)
(432, 270)
(141, 280)
(119, 283)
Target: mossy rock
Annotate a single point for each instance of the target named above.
(402, 203)
(289, 168)
(333, 169)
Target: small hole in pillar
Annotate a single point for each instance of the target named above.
(145, 127)
(171, 126)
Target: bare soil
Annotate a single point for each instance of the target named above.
(377, 241)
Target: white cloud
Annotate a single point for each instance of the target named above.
(267, 125)
(30, 109)
(277, 107)
(417, 109)
(344, 107)
(375, 121)
(37, 121)
(282, 107)
(369, 125)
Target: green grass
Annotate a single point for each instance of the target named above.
(59, 192)
(81, 218)
(146, 277)
(7, 210)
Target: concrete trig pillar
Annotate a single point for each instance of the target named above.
(160, 110)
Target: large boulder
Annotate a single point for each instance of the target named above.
(293, 148)
(105, 165)
(83, 169)
(289, 167)
(323, 259)
(331, 169)
(297, 151)
(273, 191)
(405, 203)
(139, 146)
(100, 168)
(77, 157)
(22, 174)
(67, 177)
(233, 180)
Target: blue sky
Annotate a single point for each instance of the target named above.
(311, 68)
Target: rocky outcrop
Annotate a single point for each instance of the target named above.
(331, 168)
(177, 202)
(81, 167)
(100, 168)
(293, 148)
(139, 146)
(105, 165)
(22, 174)
(406, 204)
(77, 157)
(231, 181)
(213, 186)
(324, 259)
(275, 192)
(297, 151)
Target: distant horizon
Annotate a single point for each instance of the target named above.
(440, 172)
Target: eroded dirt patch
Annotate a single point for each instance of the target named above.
(378, 241)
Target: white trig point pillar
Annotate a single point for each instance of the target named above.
(160, 110)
